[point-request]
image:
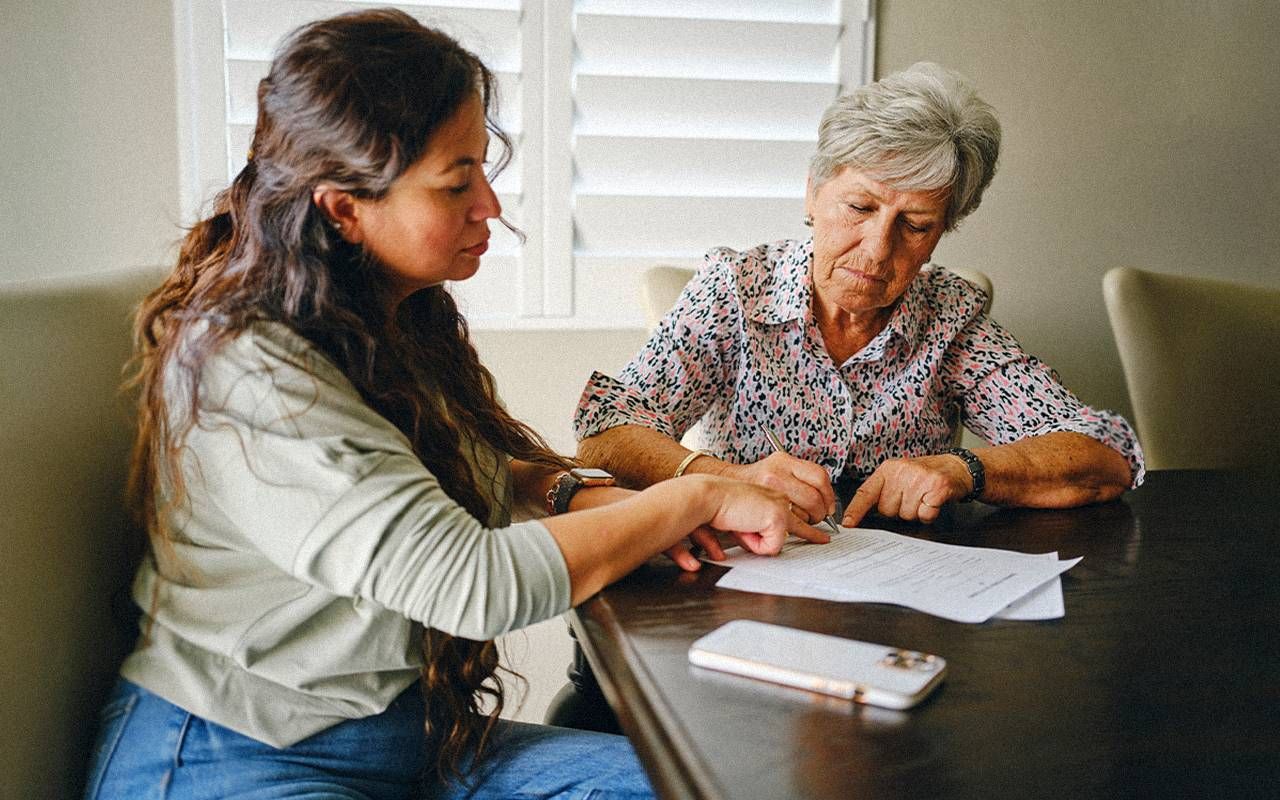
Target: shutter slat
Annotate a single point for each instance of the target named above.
(503, 242)
(827, 11)
(673, 107)
(710, 49)
(681, 227)
(692, 167)
(696, 120)
(255, 28)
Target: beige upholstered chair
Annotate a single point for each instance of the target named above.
(963, 437)
(660, 286)
(1201, 358)
(66, 549)
(978, 278)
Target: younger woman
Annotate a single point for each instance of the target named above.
(327, 475)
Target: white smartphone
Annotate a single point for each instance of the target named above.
(859, 671)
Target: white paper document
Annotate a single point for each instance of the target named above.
(966, 584)
(1039, 604)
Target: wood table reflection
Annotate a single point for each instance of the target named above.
(1161, 681)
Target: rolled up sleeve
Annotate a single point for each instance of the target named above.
(687, 363)
(1007, 394)
(608, 402)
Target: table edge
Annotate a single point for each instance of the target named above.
(610, 655)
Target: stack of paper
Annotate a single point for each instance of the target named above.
(965, 584)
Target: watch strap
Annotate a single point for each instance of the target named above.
(567, 484)
(976, 471)
(561, 492)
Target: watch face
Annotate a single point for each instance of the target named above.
(591, 474)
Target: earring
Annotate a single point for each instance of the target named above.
(808, 220)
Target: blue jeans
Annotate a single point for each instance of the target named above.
(150, 749)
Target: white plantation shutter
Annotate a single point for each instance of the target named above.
(694, 127)
(646, 131)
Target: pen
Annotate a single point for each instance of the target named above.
(778, 448)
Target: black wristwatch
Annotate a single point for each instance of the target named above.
(568, 484)
(976, 471)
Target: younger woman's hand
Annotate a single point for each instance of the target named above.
(759, 519)
(682, 551)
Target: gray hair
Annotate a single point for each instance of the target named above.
(922, 129)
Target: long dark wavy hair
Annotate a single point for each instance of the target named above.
(351, 101)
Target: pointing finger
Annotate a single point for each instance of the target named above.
(865, 499)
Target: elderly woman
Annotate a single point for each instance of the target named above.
(862, 361)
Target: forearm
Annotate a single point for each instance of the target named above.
(639, 456)
(530, 483)
(601, 543)
(1056, 470)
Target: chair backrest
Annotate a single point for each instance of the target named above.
(67, 547)
(1201, 359)
(981, 280)
(659, 288)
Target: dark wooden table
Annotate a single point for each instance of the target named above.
(1163, 679)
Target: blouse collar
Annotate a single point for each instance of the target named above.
(784, 292)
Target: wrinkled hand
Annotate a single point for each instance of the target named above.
(804, 483)
(910, 488)
(758, 518)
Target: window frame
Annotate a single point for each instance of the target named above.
(552, 284)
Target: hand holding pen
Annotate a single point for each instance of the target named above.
(830, 516)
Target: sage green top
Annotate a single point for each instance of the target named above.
(313, 547)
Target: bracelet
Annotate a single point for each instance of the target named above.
(553, 491)
(687, 461)
(976, 471)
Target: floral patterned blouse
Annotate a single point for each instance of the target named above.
(741, 351)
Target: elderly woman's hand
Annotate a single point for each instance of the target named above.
(804, 483)
(910, 488)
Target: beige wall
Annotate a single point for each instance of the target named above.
(1138, 134)
(88, 136)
